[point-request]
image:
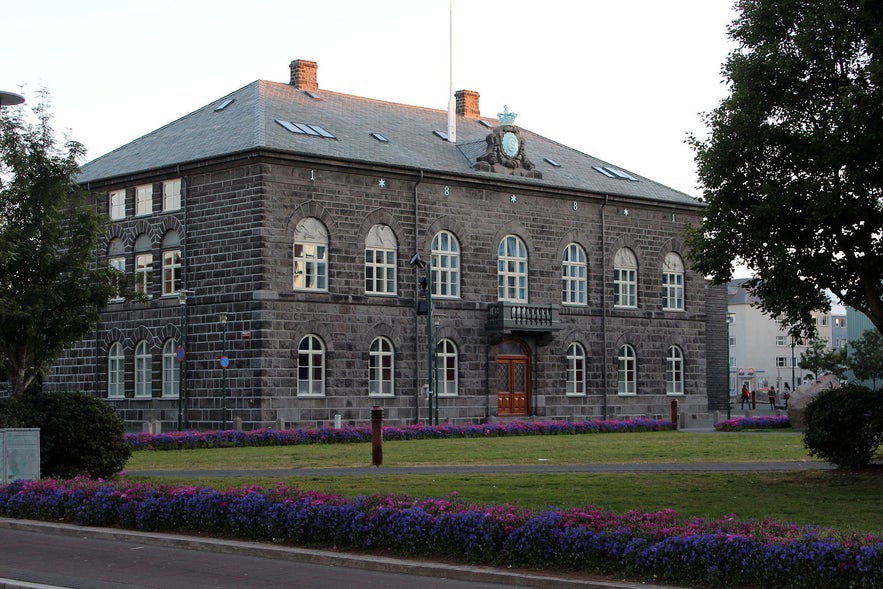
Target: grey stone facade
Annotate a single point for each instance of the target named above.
(239, 213)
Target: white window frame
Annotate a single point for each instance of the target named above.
(446, 368)
(673, 282)
(574, 268)
(674, 371)
(310, 254)
(117, 205)
(143, 200)
(782, 341)
(625, 279)
(171, 370)
(512, 270)
(116, 372)
(143, 371)
(576, 370)
(311, 367)
(143, 269)
(381, 368)
(626, 381)
(171, 272)
(380, 261)
(171, 195)
(445, 266)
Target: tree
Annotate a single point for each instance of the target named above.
(51, 287)
(819, 358)
(866, 361)
(792, 168)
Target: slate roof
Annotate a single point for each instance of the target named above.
(249, 123)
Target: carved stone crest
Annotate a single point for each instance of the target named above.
(505, 153)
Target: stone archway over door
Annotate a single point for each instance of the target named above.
(513, 379)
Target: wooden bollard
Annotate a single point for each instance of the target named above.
(674, 414)
(376, 436)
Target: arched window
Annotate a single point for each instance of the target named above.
(445, 265)
(625, 279)
(143, 373)
(674, 371)
(311, 366)
(381, 374)
(576, 369)
(628, 371)
(673, 282)
(171, 263)
(573, 275)
(171, 370)
(512, 270)
(310, 255)
(116, 372)
(446, 367)
(116, 258)
(143, 264)
(380, 261)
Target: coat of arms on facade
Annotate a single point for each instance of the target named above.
(505, 153)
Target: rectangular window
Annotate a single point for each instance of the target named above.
(143, 268)
(781, 362)
(118, 264)
(625, 287)
(144, 199)
(673, 291)
(171, 195)
(171, 272)
(380, 271)
(117, 205)
(782, 340)
(732, 340)
(310, 266)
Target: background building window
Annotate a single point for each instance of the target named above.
(627, 377)
(573, 275)
(673, 283)
(445, 265)
(446, 367)
(171, 370)
(512, 270)
(117, 205)
(171, 195)
(116, 372)
(144, 200)
(576, 369)
(380, 368)
(143, 372)
(625, 279)
(380, 261)
(311, 366)
(310, 255)
(674, 371)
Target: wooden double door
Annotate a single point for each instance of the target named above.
(513, 380)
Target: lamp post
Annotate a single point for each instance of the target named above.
(180, 354)
(435, 371)
(426, 286)
(224, 362)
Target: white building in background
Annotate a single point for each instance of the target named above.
(760, 349)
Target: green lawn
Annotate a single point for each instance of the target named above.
(848, 501)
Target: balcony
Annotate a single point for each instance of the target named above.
(508, 316)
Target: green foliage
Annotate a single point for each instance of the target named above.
(51, 287)
(792, 168)
(844, 426)
(819, 358)
(79, 434)
(866, 360)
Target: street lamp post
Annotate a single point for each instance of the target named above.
(180, 355)
(426, 286)
(224, 361)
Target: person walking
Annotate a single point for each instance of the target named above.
(772, 395)
(746, 396)
(787, 394)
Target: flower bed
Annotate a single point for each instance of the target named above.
(761, 422)
(325, 435)
(661, 546)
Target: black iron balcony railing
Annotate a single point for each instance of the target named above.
(523, 317)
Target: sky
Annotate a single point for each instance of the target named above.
(624, 81)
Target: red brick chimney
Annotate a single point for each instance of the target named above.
(467, 103)
(303, 75)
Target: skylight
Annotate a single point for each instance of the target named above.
(379, 137)
(304, 129)
(615, 173)
(225, 104)
(441, 134)
(486, 123)
(312, 95)
(553, 162)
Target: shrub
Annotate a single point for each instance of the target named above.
(79, 434)
(844, 426)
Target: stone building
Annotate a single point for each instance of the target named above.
(290, 232)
